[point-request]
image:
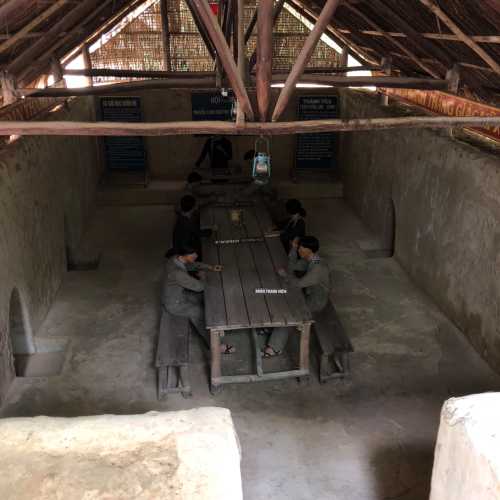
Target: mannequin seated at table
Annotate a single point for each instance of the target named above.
(314, 281)
(183, 288)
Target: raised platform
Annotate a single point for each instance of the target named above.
(168, 192)
(184, 455)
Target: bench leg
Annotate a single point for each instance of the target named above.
(162, 382)
(215, 361)
(324, 368)
(184, 382)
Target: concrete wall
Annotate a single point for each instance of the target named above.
(43, 181)
(446, 196)
(173, 158)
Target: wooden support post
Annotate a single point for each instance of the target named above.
(8, 85)
(264, 56)
(236, 17)
(165, 30)
(305, 333)
(242, 60)
(156, 129)
(387, 65)
(344, 59)
(224, 53)
(219, 70)
(276, 13)
(384, 100)
(453, 79)
(215, 355)
(87, 64)
(57, 73)
(433, 7)
(304, 56)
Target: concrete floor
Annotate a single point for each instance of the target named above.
(371, 438)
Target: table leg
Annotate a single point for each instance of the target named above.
(305, 333)
(215, 356)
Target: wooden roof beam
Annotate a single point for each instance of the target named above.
(225, 55)
(303, 58)
(436, 10)
(65, 128)
(202, 30)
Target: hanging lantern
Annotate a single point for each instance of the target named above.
(261, 171)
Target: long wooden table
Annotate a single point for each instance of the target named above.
(231, 301)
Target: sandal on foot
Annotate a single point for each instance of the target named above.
(227, 349)
(267, 354)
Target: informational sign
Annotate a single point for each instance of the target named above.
(316, 151)
(211, 106)
(123, 153)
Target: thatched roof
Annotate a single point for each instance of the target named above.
(34, 31)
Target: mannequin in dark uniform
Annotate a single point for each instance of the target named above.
(220, 151)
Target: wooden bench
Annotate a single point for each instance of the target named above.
(334, 344)
(172, 356)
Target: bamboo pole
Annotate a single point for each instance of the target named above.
(264, 56)
(68, 128)
(304, 56)
(435, 9)
(225, 55)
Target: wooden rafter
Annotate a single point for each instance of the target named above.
(427, 47)
(431, 36)
(43, 60)
(333, 33)
(304, 56)
(435, 9)
(42, 17)
(61, 128)
(201, 28)
(395, 42)
(224, 54)
(32, 53)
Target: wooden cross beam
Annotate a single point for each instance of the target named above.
(304, 56)
(69, 128)
(225, 55)
(264, 56)
(434, 8)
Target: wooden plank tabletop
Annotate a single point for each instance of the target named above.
(231, 301)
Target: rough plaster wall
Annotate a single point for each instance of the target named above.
(173, 157)
(42, 181)
(447, 201)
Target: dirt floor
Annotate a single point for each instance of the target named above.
(369, 438)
